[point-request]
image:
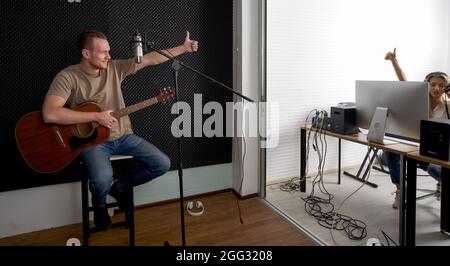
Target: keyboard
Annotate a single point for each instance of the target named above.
(391, 140)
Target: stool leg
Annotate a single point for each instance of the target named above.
(85, 211)
(131, 211)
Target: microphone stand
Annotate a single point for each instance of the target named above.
(176, 66)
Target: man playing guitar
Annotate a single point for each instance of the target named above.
(98, 79)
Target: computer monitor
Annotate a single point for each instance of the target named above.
(407, 103)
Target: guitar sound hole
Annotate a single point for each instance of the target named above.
(84, 130)
(76, 142)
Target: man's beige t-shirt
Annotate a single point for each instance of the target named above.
(78, 87)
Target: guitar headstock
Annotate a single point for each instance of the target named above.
(166, 95)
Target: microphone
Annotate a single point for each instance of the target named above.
(137, 48)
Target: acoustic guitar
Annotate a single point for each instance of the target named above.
(48, 148)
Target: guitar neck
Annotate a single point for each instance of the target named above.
(133, 108)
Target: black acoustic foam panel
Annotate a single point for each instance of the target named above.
(38, 40)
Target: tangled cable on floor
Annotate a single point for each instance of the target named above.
(322, 208)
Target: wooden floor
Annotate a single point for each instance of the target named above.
(218, 226)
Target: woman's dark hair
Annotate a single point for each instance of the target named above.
(84, 39)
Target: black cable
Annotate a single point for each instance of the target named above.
(326, 217)
(308, 141)
(239, 210)
(294, 183)
(322, 209)
(322, 187)
(242, 170)
(318, 180)
(446, 106)
(388, 239)
(291, 185)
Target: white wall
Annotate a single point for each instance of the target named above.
(317, 49)
(34, 209)
(39, 208)
(246, 63)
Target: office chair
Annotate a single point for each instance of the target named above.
(429, 192)
(421, 165)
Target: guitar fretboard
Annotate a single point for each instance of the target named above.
(133, 108)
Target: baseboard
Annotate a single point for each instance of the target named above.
(326, 172)
(246, 197)
(189, 198)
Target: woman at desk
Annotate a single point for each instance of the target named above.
(439, 108)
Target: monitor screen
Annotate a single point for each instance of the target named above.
(406, 101)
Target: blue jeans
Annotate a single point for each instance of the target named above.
(97, 162)
(435, 171)
(393, 163)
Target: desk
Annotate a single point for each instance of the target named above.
(411, 187)
(399, 148)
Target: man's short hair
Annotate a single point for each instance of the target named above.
(84, 39)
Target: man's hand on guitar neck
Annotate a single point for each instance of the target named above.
(105, 119)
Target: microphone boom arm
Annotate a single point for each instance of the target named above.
(149, 46)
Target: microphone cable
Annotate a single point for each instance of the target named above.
(244, 149)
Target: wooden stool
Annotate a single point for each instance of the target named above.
(124, 162)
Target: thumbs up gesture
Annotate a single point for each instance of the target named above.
(391, 55)
(190, 45)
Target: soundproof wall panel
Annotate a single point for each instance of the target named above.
(38, 41)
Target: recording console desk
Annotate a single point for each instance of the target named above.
(405, 227)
